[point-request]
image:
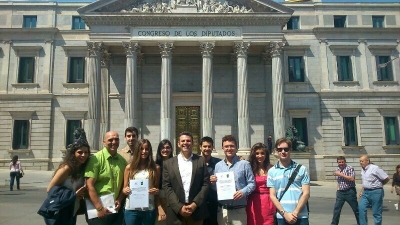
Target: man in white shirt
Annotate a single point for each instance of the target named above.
(186, 183)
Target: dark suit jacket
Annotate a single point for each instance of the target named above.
(172, 184)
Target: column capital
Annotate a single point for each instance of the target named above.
(7, 42)
(276, 47)
(95, 48)
(266, 56)
(166, 48)
(105, 58)
(362, 41)
(241, 48)
(323, 40)
(206, 48)
(48, 41)
(131, 48)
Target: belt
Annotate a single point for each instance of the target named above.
(371, 189)
(231, 207)
(348, 189)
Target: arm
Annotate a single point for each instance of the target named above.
(361, 191)
(125, 188)
(303, 199)
(351, 177)
(154, 190)
(246, 191)
(385, 181)
(59, 178)
(172, 199)
(157, 202)
(94, 198)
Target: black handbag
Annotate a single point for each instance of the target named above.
(20, 174)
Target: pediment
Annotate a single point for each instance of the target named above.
(184, 6)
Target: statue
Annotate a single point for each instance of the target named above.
(297, 145)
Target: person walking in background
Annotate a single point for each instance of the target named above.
(131, 136)
(396, 185)
(373, 179)
(15, 170)
(164, 152)
(206, 148)
(142, 167)
(260, 209)
(70, 175)
(270, 143)
(346, 191)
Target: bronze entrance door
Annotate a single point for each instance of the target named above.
(188, 119)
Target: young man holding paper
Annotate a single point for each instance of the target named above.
(233, 210)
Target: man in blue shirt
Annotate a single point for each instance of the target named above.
(234, 211)
(292, 207)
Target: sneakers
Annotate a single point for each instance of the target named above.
(396, 206)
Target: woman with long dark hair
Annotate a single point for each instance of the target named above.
(396, 185)
(15, 170)
(70, 172)
(164, 152)
(260, 209)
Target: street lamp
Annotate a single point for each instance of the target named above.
(382, 65)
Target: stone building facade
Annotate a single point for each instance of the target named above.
(247, 68)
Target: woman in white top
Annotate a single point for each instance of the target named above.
(15, 170)
(142, 166)
(70, 172)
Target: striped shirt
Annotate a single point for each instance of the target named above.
(372, 177)
(343, 183)
(278, 177)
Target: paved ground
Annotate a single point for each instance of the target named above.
(20, 207)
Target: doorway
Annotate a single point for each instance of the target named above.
(188, 119)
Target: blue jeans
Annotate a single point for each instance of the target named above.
(136, 217)
(300, 221)
(349, 196)
(13, 175)
(372, 198)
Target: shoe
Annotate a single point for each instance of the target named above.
(396, 206)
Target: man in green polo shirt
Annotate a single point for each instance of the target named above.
(105, 175)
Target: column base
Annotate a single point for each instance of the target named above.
(244, 152)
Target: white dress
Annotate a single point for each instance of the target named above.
(141, 174)
(74, 185)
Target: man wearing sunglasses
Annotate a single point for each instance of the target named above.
(291, 209)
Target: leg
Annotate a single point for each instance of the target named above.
(17, 178)
(221, 216)
(398, 203)
(238, 216)
(282, 222)
(149, 217)
(131, 217)
(12, 176)
(97, 221)
(302, 221)
(363, 207)
(377, 202)
(340, 199)
(352, 200)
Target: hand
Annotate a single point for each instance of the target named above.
(117, 204)
(237, 195)
(103, 212)
(185, 211)
(192, 207)
(126, 190)
(337, 173)
(161, 214)
(360, 194)
(391, 190)
(213, 179)
(80, 193)
(290, 218)
(153, 191)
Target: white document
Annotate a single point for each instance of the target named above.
(225, 185)
(106, 200)
(139, 196)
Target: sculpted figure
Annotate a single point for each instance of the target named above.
(297, 145)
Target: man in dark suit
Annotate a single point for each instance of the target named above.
(186, 183)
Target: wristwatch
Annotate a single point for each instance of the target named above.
(282, 212)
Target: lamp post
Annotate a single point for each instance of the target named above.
(382, 65)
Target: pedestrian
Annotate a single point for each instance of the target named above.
(373, 179)
(131, 136)
(15, 170)
(70, 175)
(234, 211)
(260, 209)
(186, 183)
(164, 152)
(292, 208)
(270, 143)
(396, 185)
(206, 148)
(346, 190)
(142, 166)
(105, 175)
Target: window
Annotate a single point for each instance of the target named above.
(350, 131)
(339, 21)
(296, 69)
(344, 68)
(293, 23)
(26, 70)
(301, 125)
(78, 23)
(76, 70)
(385, 73)
(71, 127)
(21, 134)
(29, 22)
(377, 21)
(391, 130)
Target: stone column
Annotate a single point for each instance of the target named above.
(104, 114)
(207, 88)
(324, 64)
(241, 49)
(166, 90)
(131, 87)
(364, 64)
(93, 122)
(47, 67)
(5, 67)
(277, 90)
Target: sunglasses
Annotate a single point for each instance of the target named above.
(282, 149)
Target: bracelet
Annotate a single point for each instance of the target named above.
(99, 209)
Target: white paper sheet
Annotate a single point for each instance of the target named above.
(139, 196)
(225, 185)
(106, 200)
